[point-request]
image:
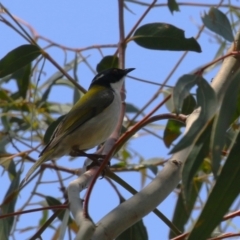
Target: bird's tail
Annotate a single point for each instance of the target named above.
(41, 160)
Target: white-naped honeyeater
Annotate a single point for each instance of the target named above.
(90, 121)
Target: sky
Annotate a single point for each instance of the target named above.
(80, 24)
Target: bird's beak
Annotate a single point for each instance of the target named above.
(128, 70)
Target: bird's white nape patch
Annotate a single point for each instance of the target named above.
(117, 85)
(100, 76)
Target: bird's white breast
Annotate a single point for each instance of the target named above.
(98, 128)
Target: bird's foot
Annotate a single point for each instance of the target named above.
(80, 153)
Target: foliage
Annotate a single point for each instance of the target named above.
(29, 116)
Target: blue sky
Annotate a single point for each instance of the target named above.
(80, 24)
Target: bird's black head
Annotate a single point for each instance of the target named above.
(110, 76)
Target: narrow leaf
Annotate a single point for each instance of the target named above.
(207, 100)
(18, 58)
(55, 78)
(194, 161)
(54, 202)
(23, 81)
(217, 22)
(107, 62)
(182, 90)
(130, 108)
(8, 206)
(222, 196)
(171, 132)
(173, 6)
(135, 232)
(163, 36)
(182, 211)
(223, 120)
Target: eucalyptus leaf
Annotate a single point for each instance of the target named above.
(173, 6)
(221, 197)
(223, 120)
(207, 100)
(107, 62)
(18, 58)
(8, 206)
(217, 22)
(183, 212)
(164, 36)
(135, 232)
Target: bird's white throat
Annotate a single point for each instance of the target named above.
(117, 85)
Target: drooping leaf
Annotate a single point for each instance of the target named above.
(152, 164)
(44, 217)
(135, 232)
(222, 196)
(217, 22)
(54, 202)
(171, 132)
(194, 161)
(4, 140)
(173, 6)
(18, 58)
(189, 104)
(23, 81)
(8, 206)
(173, 128)
(207, 100)
(223, 120)
(182, 210)
(130, 108)
(107, 62)
(55, 79)
(169, 103)
(50, 130)
(182, 90)
(164, 36)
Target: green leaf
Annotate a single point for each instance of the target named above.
(171, 132)
(51, 129)
(152, 163)
(163, 36)
(44, 217)
(23, 81)
(173, 6)
(18, 58)
(194, 161)
(55, 79)
(207, 100)
(223, 120)
(130, 108)
(8, 206)
(217, 22)
(54, 202)
(189, 104)
(4, 140)
(224, 192)
(182, 211)
(107, 62)
(169, 103)
(173, 128)
(135, 232)
(182, 90)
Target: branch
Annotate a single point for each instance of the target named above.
(131, 211)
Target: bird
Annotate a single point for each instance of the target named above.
(90, 121)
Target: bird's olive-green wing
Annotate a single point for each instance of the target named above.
(90, 105)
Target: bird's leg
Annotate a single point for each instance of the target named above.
(76, 152)
(96, 158)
